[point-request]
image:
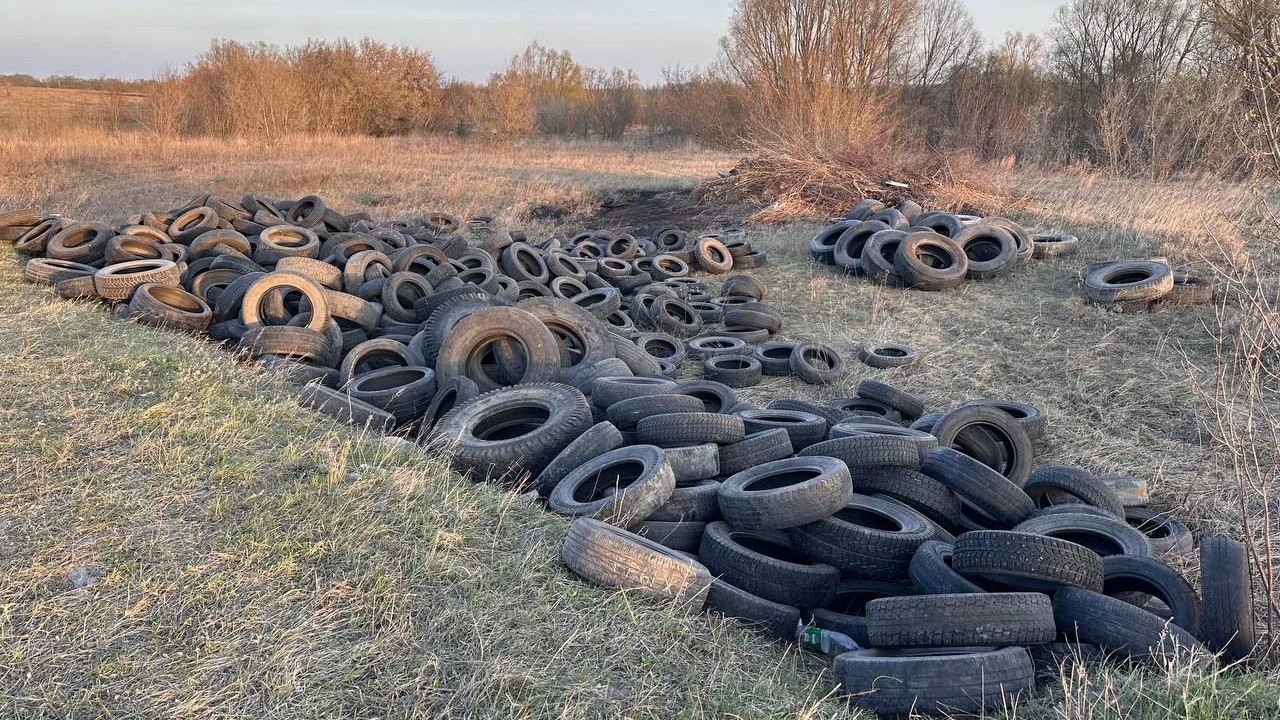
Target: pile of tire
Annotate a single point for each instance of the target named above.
(393, 324)
(963, 572)
(549, 368)
(1143, 286)
(905, 246)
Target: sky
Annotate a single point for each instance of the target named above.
(468, 38)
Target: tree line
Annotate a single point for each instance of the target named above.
(1152, 87)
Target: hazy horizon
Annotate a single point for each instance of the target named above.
(137, 38)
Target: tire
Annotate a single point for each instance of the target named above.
(931, 572)
(868, 538)
(584, 376)
(804, 429)
(596, 441)
(1047, 485)
(735, 371)
(864, 209)
(785, 493)
(47, 271)
(1026, 562)
(117, 282)
(755, 449)
(816, 364)
(450, 394)
(405, 392)
(691, 501)
(878, 257)
(924, 443)
(581, 337)
(662, 347)
(281, 241)
(891, 217)
(942, 223)
(605, 392)
(1227, 620)
(712, 256)
(712, 345)
(694, 462)
(297, 371)
(822, 246)
(628, 414)
(744, 286)
(252, 311)
(774, 357)
(461, 353)
(84, 242)
(1007, 434)
(287, 341)
(690, 427)
(1188, 291)
(969, 680)
(773, 619)
(170, 307)
(847, 253)
(929, 261)
(375, 354)
(640, 474)
(1047, 246)
(716, 397)
(1106, 536)
(318, 270)
(764, 564)
(860, 409)
(982, 487)
(1032, 419)
(612, 557)
(992, 251)
(960, 620)
(865, 451)
(1166, 535)
(482, 434)
(1135, 280)
(1125, 577)
(755, 315)
(344, 408)
(888, 355)
(908, 405)
(684, 536)
(641, 363)
(1116, 626)
(921, 492)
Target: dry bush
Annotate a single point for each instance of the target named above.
(800, 179)
(704, 104)
(506, 106)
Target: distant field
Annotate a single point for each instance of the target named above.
(41, 112)
(247, 559)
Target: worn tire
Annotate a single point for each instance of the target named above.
(972, 680)
(1026, 562)
(764, 564)
(959, 620)
(612, 557)
(1227, 620)
(785, 493)
(640, 475)
(868, 538)
(1117, 626)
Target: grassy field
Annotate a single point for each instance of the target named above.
(177, 539)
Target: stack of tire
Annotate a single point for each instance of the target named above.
(961, 570)
(905, 246)
(1143, 286)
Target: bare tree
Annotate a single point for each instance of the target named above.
(817, 66)
(946, 40)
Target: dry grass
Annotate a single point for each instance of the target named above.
(392, 176)
(177, 539)
(41, 113)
